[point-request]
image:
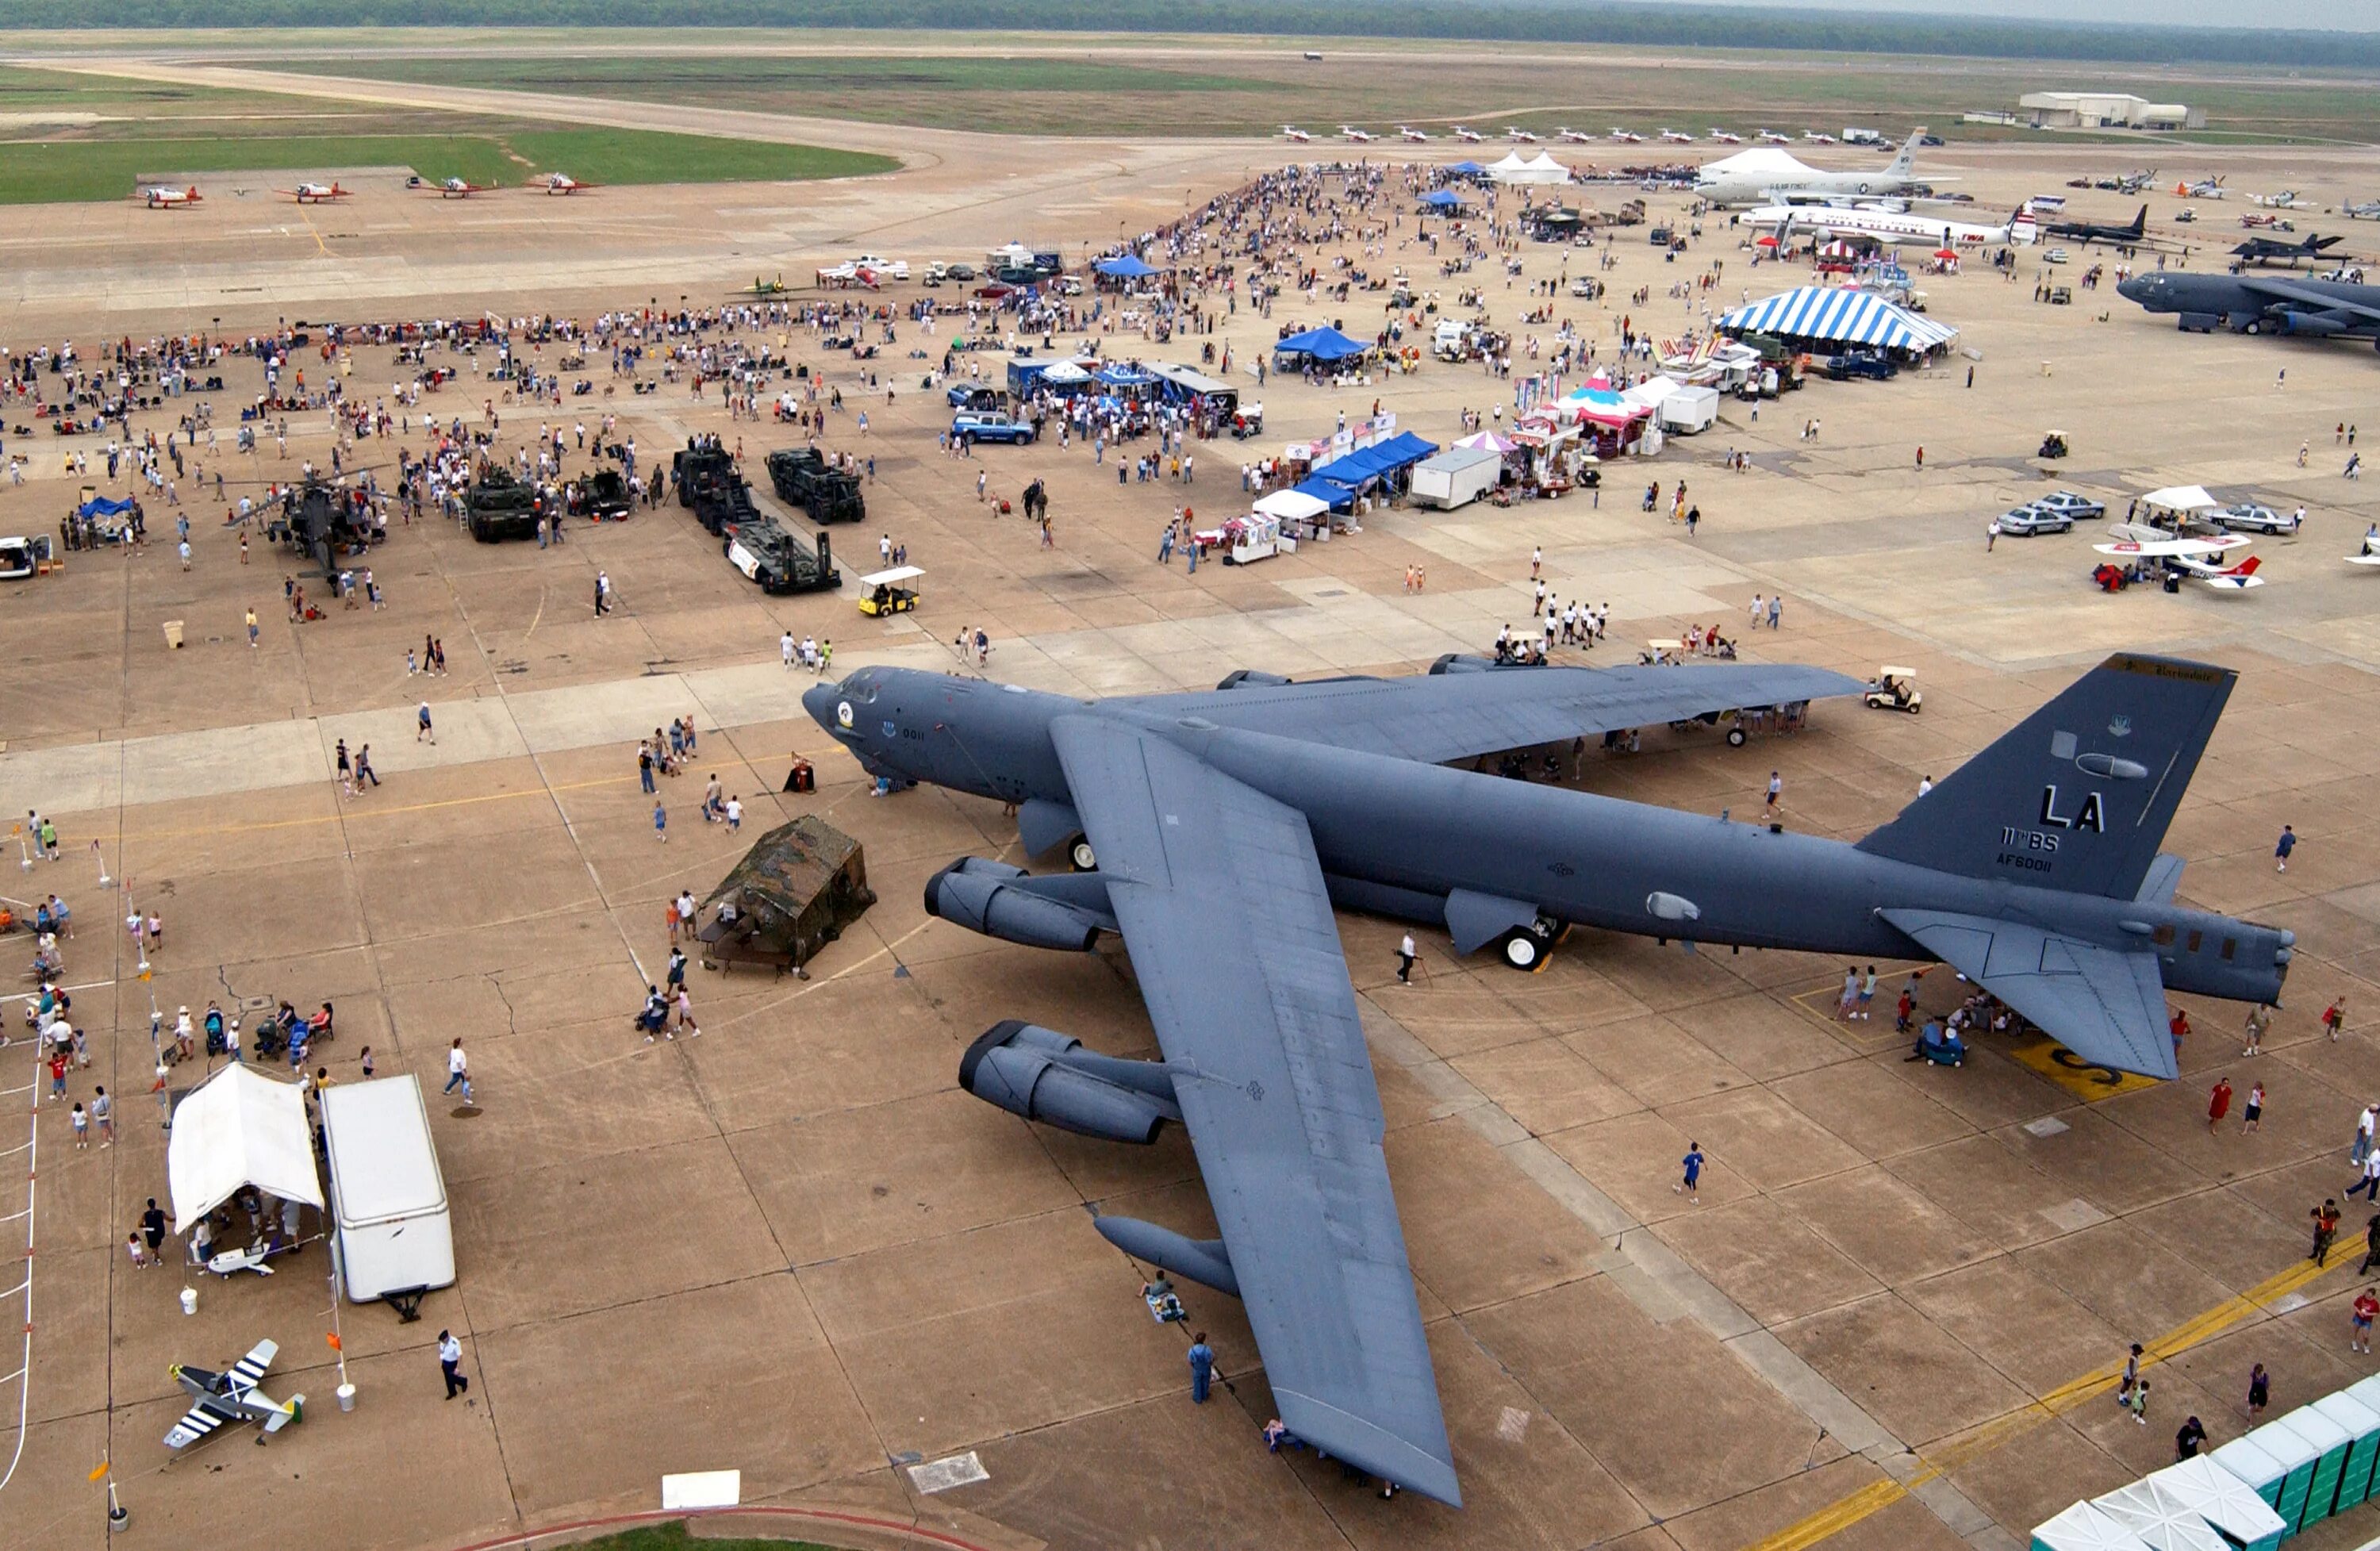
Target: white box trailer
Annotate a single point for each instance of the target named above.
(1689, 409)
(1456, 477)
(388, 1200)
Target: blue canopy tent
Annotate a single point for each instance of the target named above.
(1323, 344)
(1125, 268)
(1341, 479)
(1336, 496)
(1467, 169)
(1442, 198)
(99, 507)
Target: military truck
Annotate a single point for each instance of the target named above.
(780, 561)
(604, 494)
(498, 507)
(696, 468)
(830, 495)
(725, 506)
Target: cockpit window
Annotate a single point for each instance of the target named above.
(860, 684)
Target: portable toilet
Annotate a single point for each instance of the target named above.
(2277, 1468)
(2084, 1527)
(2362, 1425)
(2162, 1519)
(2328, 1441)
(2245, 1521)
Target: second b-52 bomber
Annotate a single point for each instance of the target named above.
(1215, 833)
(2260, 303)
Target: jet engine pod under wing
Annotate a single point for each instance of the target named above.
(1065, 911)
(1043, 1076)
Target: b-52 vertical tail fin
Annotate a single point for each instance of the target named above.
(2077, 798)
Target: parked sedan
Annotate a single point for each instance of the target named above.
(2024, 522)
(2247, 516)
(2070, 503)
(982, 425)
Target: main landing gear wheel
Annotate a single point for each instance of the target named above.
(1079, 854)
(1525, 949)
(1735, 737)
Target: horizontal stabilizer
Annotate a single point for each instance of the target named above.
(2077, 796)
(2105, 1005)
(2164, 879)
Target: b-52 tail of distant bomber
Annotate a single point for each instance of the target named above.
(1216, 831)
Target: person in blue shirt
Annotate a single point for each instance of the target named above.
(1202, 1368)
(1694, 1166)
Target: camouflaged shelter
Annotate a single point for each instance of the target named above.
(792, 894)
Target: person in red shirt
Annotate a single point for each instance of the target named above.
(2218, 1103)
(2366, 1307)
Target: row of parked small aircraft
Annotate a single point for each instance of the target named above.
(166, 197)
(1519, 136)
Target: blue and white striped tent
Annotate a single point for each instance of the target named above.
(1839, 316)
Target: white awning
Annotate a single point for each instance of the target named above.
(893, 577)
(1292, 506)
(239, 1128)
(2180, 498)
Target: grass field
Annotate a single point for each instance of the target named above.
(1226, 91)
(93, 170)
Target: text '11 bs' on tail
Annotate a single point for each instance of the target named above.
(2077, 798)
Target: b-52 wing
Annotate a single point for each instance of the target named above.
(2104, 1005)
(1442, 717)
(2305, 297)
(1222, 907)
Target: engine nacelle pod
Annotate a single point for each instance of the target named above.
(1204, 1261)
(1002, 901)
(1043, 1076)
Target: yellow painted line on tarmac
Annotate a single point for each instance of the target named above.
(310, 231)
(1878, 1495)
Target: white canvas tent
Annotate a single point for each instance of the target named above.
(239, 1128)
(1292, 506)
(2180, 498)
(1540, 168)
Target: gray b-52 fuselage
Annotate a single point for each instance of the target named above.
(1215, 831)
(1434, 844)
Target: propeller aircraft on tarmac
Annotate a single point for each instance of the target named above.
(316, 193)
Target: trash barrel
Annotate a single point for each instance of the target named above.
(346, 1397)
(172, 635)
(189, 1300)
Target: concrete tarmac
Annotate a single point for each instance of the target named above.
(792, 1247)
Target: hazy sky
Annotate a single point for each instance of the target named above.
(2354, 16)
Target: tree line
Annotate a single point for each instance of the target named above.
(1564, 21)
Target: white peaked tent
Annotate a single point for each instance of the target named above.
(239, 1128)
(1540, 168)
(1292, 506)
(2180, 498)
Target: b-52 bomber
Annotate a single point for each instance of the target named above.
(1216, 831)
(2260, 304)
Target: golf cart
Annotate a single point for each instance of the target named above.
(1895, 690)
(2053, 445)
(881, 593)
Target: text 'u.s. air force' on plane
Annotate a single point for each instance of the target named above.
(1220, 829)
